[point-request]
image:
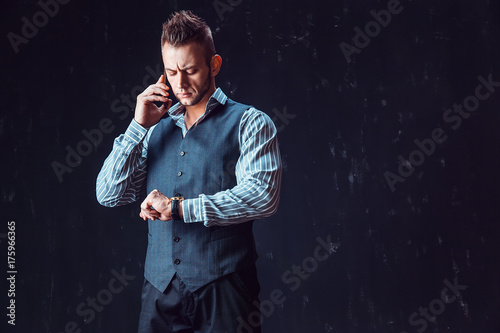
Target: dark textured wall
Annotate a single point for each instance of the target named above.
(384, 165)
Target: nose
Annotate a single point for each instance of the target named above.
(182, 82)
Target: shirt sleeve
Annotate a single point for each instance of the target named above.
(258, 176)
(122, 179)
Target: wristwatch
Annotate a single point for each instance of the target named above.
(175, 207)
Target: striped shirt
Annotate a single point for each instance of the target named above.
(122, 179)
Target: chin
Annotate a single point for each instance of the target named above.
(194, 100)
(186, 102)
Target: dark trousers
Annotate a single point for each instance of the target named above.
(229, 304)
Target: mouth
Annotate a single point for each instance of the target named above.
(184, 95)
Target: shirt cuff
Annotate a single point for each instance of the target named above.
(135, 132)
(192, 210)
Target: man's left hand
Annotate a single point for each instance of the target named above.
(156, 206)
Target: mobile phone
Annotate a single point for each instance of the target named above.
(164, 80)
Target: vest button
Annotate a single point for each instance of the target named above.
(176, 239)
(179, 173)
(182, 153)
(177, 261)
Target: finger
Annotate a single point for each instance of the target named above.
(147, 209)
(154, 98)
(145, 204)
(162, 85)
(152, 91)
(164, 218)
(145, 215)
(154, 215)
(159, 90)
(161, 79)
(162, 82)
(164, 107)
(148, 202)
(151, 214)
(154, 199)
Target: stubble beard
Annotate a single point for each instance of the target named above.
(198, 97)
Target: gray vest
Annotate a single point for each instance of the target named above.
(203, 162)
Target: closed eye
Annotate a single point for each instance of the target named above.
(188, 71)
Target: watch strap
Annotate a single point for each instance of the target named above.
(175, 207)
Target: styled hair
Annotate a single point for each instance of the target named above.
(184, 27)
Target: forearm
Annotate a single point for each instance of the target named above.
(240, 204)
(258, 175)
(122, 178)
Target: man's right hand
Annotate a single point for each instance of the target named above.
(147, 113)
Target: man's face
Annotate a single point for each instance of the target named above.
(187, 72)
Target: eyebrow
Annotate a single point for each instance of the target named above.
(183, 69)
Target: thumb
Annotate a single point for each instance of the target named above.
(168, 104)
(165, 107)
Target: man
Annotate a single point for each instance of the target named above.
(210, 168)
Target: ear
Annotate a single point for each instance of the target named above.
(215, 65)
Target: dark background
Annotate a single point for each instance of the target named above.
(345, 126)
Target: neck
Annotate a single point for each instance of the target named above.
(193, 112)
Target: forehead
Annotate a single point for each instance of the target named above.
(190, 54)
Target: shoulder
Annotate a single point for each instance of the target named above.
(255, 117)
(256, 123)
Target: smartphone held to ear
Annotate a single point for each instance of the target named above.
(163, 80)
